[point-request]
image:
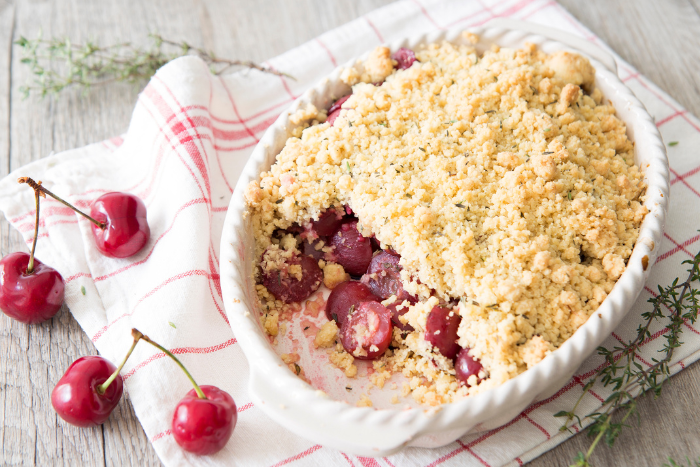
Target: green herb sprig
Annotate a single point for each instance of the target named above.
(58, 63)
(678, 303)
(673, 463)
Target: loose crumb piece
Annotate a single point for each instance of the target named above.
(334, 274)
(325, 337)
(271, 324)
(343, 360)
(364, 401)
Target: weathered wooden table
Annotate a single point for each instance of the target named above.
(659, 38)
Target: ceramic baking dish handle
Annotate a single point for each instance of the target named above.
(558, 35)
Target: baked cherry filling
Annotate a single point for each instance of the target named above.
(365, 324)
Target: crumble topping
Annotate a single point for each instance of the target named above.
(504, 181)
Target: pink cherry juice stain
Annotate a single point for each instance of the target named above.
(315, 307)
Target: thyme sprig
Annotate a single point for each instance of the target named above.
(58, 63)
(678, 303)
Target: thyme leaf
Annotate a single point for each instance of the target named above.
(59, 63)
(673, 305)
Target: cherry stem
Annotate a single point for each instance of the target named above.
(197, 389)
(39, 187)
(103, 387)
(30, 266)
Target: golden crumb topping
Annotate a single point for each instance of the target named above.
(502, 180)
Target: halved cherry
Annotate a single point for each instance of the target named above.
(404, 58)
(441, 330)
(335, 109)
(313, 248)
(384, 277)
(346, 296)
(327, 222)
(366, 334)
(466, 365)
(351, 249)
(384, 280)
(398, 309)
(288, 288)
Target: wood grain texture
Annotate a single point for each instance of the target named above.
(659, 38)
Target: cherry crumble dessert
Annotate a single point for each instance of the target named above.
(467, 212)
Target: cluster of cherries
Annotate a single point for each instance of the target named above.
(91, 388)
(366, 326)
(32, 292)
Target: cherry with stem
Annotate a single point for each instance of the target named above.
(30, 291)
(90, 389)
(205, 418)
(119, 222)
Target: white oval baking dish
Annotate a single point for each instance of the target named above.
(379, 432)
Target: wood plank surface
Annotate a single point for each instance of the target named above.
(659, 38)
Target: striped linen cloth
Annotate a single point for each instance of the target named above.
(189, 137)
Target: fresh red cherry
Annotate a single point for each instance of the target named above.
(78, 399)
(125, 226)
(90, 389)
(29, 297)
(204, 426)
(119, 221)
(30, 291)
(205, 418)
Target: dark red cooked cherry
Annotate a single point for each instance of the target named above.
(338, 104)
(344, 296)
(289, 289)
(76, 398)
(126, 228)
(327, 222)
(309, 249)
(366, 334)
(331, 117)
(29, 298)
(395, 313)
(204, 426)
(351, 249)
(466, 365)
(335, 109)
(404, 58)
(384, 277)
(441, 330)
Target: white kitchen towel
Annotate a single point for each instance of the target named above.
(189, 137)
